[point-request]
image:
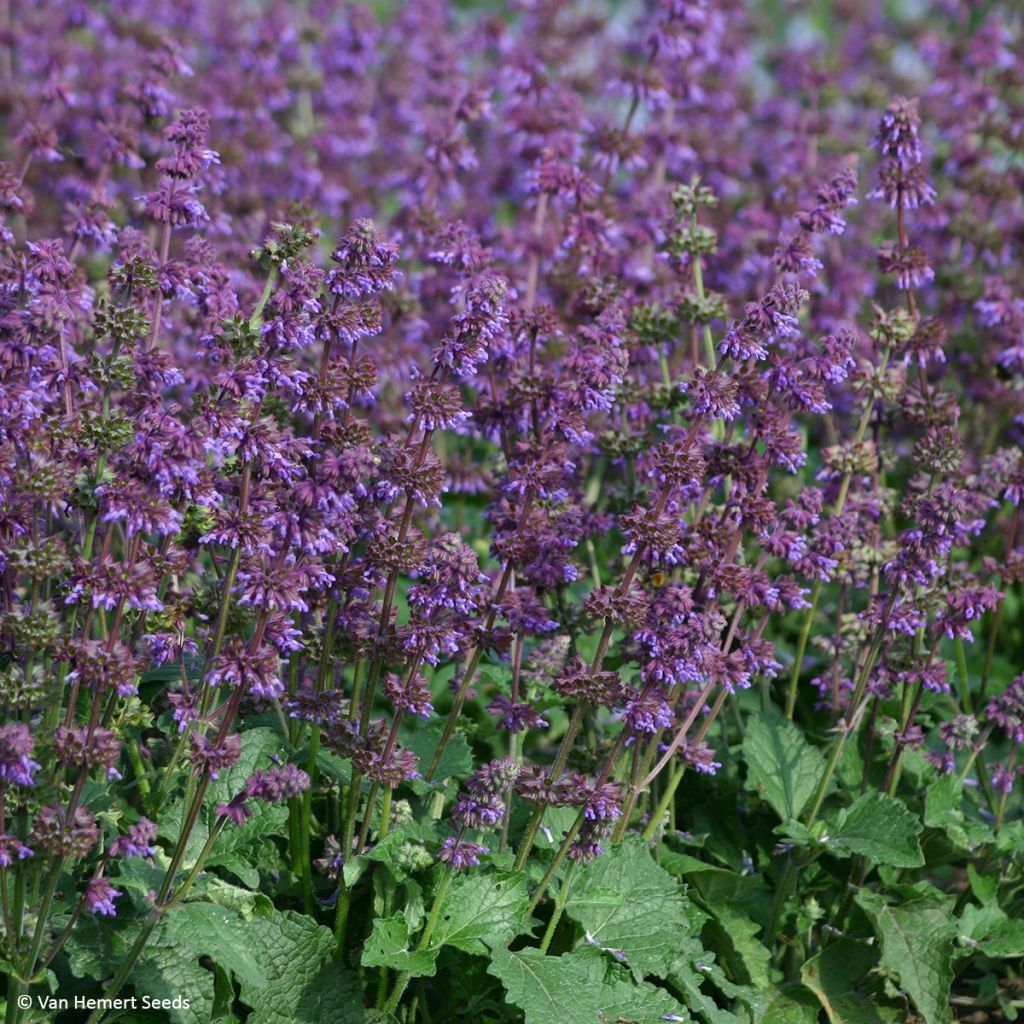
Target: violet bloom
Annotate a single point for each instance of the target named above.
(648, 712)
(461, 854)
(16, 764)
(100, 896)
(12, 849)
(410, 695)
(1003, 778)
(1007, 710)
(365, 263)
(213, 756)
(255, 671)
(272, 786)
(137, 841)
(515, 716)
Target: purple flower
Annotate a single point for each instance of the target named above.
(460, 854)
(647, 712)
(12, 850)
(365, 263)
(137, 841)
(515, 716)
(897, 136)
(100, 896)
(16, 764)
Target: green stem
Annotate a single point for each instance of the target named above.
(16, 990)
(663, 804)
(385, 815)
(778, 901)
(965, 683)
(801, 648)
(257, 314)
(560, 856)
(305, 817)
(698, 287)
(1004, 795)
(556, 916)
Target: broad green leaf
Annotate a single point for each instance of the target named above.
(834, 974)
(582, 987)
(985, 887)
(781, 765)
(794, 1005)
(237, 866)
(224, 894)
(942, 801)
(223, 997)
(917, 949)
(688, 975)
(715, 884)
(944, 809)
(97, 946)
(389, 945)
(163, 973)
(482, 910)
(991, 931)
(795, 834)
(1011, 838)
(304, 984)
(267, 820)
(334, 767)
(169, 828)
(742, 954)
(456, 761)
(215, 931)
(651, 917)
(880, 828)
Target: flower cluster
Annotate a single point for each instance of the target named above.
(433, 443)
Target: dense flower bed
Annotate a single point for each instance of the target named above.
(511, 513)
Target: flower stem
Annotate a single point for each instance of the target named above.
(556, 916)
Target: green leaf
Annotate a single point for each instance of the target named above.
(241, 869)
(781, 765)
(304, 985)
(944, 809)
(224, 894)
(163, 973)
(223, 998)
(942, 801)
(985, 887)
(833, 976)
(917, 948)
(456, 761)
(794, 1005)
(212, 930)
(97, 946)
(336, 768)
(482, 910)
(688, 975)
(991, 931)
(746, 958)
(582, 987)
(880, 828)
(389, 946)
(648, 921)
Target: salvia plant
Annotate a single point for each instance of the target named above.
(511, 512)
